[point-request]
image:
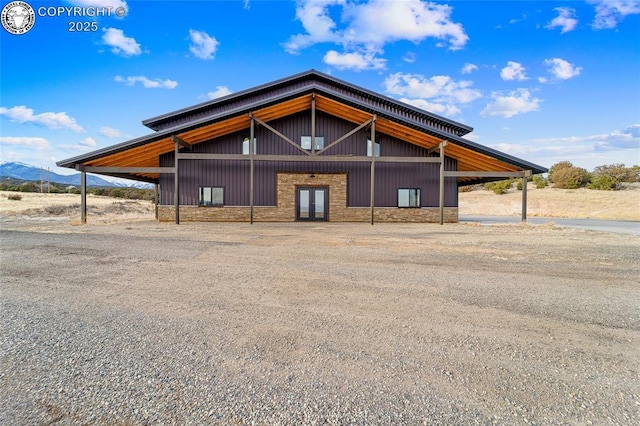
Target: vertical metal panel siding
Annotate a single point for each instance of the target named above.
(234, 175)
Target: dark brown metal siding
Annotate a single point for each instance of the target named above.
(234, 175)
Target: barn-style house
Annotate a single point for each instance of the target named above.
(308, 147)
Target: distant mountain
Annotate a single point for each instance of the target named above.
(23, 171)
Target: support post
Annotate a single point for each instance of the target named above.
(441, 195)
(251, 177)
(527, 173)
(313, 124)
(83, 197)
(373, 167)
(156, 198)
(176, 180)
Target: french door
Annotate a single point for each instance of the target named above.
(312, 203)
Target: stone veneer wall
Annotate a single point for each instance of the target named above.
(285, 211)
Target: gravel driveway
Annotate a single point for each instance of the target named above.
(149, 323)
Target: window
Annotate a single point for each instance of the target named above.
(305, 142)
(245, 146)
(211, 196)
(376, 148)
(409, 197)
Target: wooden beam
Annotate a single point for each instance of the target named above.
(480, 174)
(373, 167)
(340, 139)
(181, 142)
(437, 147)
(100, 169)
(442, 175)
(527, 173)
(277, 133)
(251, 176)
(313, 124)
(156, 198)
(307, 158)
(83, 197)
(176, 182)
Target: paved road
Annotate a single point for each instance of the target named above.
(616, 226)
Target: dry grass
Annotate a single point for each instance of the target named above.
(547, 202)
(552, 202)
(100, 209)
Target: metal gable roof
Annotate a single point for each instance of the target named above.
(145, 151)
(308, 78)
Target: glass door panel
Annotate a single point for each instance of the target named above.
(319, 197)
(312, 203)
(303, 204)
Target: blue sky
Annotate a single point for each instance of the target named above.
(546, 81)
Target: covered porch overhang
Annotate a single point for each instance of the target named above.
(139, 159)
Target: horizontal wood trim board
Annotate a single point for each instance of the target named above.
(310, 158)
(93, 169)
(483, 174)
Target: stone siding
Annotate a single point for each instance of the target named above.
(285, 211)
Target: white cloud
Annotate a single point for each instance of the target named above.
(609, 13)
(439, 87)
(565, 20)
(146, 82)
(515, 102)
(219, 92)
(594, 149)
(354, 61)
(88, 142)
(41, 144)
(51, 120)
(365, 27)
(469, 68)
(562, 69)
(110, 132)
(542, 80)
(120, 44)
(203, 46)
(409, 58)
(442, 109)
(439, 94)
(513, 71)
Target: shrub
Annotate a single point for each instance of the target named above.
(500, 187)
(565, 175)
(619, 172)
(603, 183)
(14, 197)
(540, 181)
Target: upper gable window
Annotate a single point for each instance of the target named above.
(375, 151)
(245, 146)
(305, 142)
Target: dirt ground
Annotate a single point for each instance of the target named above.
(156, 323)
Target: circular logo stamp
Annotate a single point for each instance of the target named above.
(18, 17)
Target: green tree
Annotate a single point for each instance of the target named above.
(565, 175)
